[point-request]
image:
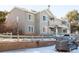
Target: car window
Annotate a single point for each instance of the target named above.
(66, 35)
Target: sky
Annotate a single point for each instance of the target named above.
(57, 10)
(58, 7)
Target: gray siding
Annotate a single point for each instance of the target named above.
(29, 22)
(11, 20)
(23, 22)
(43, 23)
(37, 23)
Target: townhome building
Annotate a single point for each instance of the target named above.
(33, 22)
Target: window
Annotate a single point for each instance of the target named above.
(65, 30)
(52, 18)
(29, 17)
(45, 29)
(30, 28)
(44, 18)
(64, 22)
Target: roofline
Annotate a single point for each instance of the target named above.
(47, 10)
(23, 10)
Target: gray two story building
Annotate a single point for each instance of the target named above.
(33, 22)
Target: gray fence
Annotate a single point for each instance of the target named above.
(10, 37)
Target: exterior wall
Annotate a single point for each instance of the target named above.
(40, 23)
(57, 23)
(11, 20)
(37, 23)
(53, 24)
(23, 21)
(66, 26)
(43, 23)
(30, 22)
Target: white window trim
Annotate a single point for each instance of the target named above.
(45, 19)
(32, 27)
(30, 17)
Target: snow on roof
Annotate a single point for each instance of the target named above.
(35, 12)
(27, 10)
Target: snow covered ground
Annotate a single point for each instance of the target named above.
(48, 49)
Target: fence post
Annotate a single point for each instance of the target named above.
(11, 35)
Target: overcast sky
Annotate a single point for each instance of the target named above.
(58, 7)
(57, 10)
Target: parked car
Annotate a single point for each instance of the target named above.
(66, 43)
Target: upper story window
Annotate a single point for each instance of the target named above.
(64, 22)
(29, 17)
(52, 18)
(44, 18)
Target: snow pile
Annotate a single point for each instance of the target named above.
(48, 49)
